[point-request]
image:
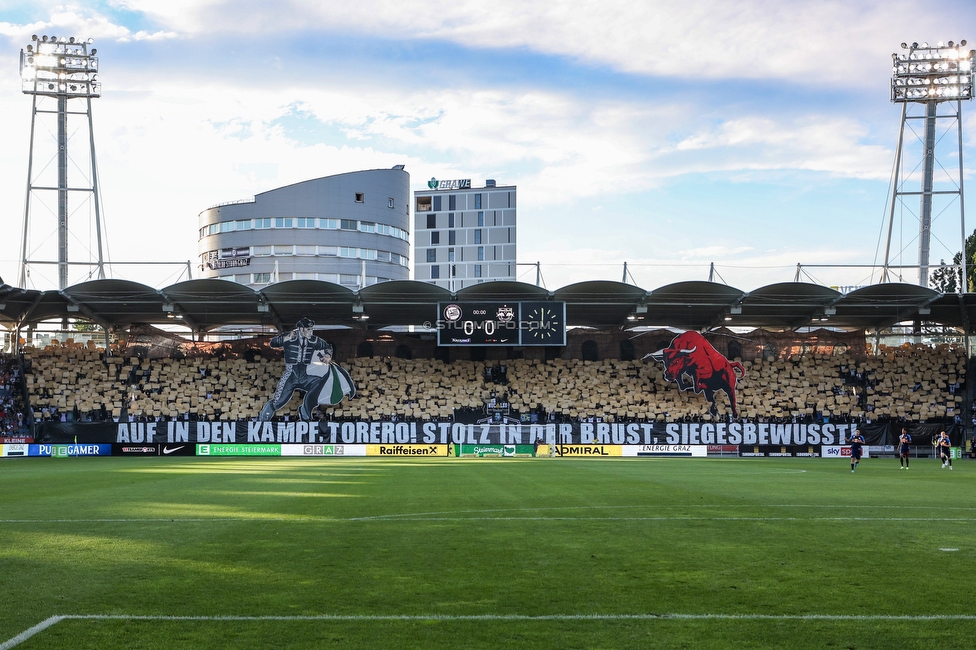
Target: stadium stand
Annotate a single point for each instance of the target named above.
(917, 383)
(14, 419)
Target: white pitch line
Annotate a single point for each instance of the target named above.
(46, 623)
(26, 634)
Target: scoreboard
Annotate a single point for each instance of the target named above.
(501, 323)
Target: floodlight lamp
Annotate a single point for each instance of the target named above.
(904, 46)
(72, 40)
(91, 40)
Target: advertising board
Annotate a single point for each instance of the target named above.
(840, 451)
(323, 450)
(665, 451)
(496, 451)
(406, 450)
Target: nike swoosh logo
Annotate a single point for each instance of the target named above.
(167, 450)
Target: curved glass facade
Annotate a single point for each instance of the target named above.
(351, 229)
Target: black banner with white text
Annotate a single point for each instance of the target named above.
(384, 432)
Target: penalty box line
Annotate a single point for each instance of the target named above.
(53, 620)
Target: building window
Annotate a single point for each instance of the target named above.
(304, 250)
(367, 226)
(260, 278)
(481, 253)
(431, 254)
(477, 236)
(261, 251)
(328, 251)
(452, 202)
(435, 238)
(262, 223)
(360, 197)
(423, 204)
(349, 279)
(477, 201)
(431, 221)
(437, 204)
(391, 203)
(348, 224)
(284, 250)
(226, 226)
(305, 222)
(453, 271)
(477, 270)
(450, 255)
(451, 237)
(450, 219)
(435, 272)
(481, 219)
(329, 224)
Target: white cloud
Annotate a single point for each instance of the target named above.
(705, 39)
(82, 23)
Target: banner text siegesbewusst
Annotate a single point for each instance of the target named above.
(384, 432)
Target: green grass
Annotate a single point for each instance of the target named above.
(443, 542)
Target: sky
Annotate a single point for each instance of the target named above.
(754, 135)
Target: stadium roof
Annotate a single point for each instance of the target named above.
(203, 305)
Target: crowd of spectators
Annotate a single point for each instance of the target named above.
(911, 383)
(14, 418)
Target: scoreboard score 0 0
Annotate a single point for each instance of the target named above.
(501, 323)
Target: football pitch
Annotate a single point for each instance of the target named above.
(479, 553)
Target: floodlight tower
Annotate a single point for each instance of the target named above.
(929, 76)
(62, 69)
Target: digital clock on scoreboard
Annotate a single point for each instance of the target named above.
(501, 323)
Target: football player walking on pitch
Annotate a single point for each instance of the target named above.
(857, 444)
(903, 447)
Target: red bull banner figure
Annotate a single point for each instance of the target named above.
(691, 357)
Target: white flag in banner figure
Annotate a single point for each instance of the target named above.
(337, 384)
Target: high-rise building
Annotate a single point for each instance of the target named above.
(464, 235)
(351, 229)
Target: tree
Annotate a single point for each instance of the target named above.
(946, 279)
